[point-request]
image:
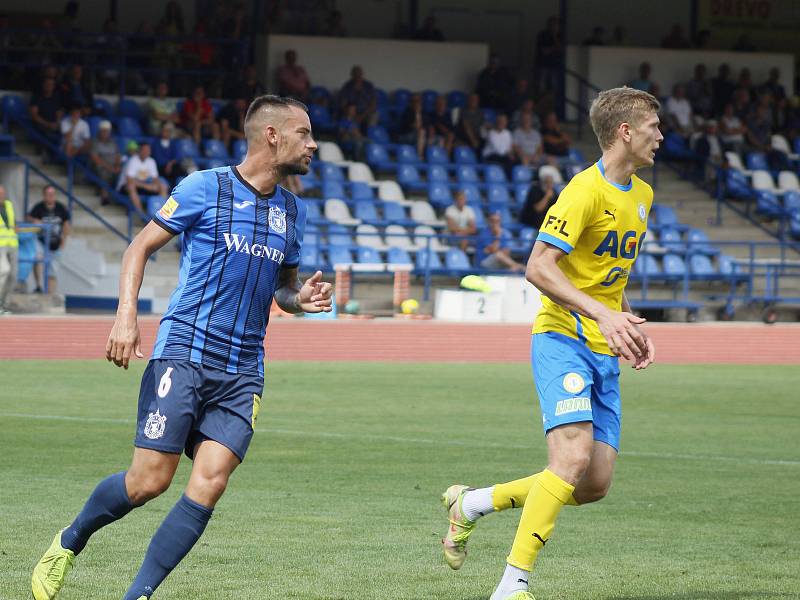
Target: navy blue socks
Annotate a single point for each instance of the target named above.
(179, 531)
(109, 501)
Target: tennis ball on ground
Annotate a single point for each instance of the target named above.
(409, 307)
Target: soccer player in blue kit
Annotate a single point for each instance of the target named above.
(200, 392)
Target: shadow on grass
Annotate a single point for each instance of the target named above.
(726, 595)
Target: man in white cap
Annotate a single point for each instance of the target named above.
(105, 158)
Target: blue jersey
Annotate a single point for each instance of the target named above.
(235, 242)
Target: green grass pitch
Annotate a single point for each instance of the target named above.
(338, 497)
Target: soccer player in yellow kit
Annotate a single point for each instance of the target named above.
(580, 262)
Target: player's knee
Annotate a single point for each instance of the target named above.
(593, 494)
(570, 466)
(213, 485)
(144, 487)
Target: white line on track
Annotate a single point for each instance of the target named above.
(425, 441)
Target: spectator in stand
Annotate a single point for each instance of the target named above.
(493, 247)
(549, 56)
(643, 82)
(165, 152)
(721, 89)
(745, 83)
(528, 108)
(293, 80)
(773, 85)
(430, 31)
(9, 244)
(597, 38)
(520, 95)
(528, 143)
(698, 92)
(759, 138)
(250, 86)
(440, 125)
(231, 121)
(709, 148)
(349, 133)
(540, 197)
(675, 39)
(75, 90)
(360, 92)
(141, 175)
(53, 213)
(105, 158)
(197, 116)
(335, 25)
(732, 130)
(471, 123)
(679, 112)
(76, 137)
(46, 111)
(742, 106)
(555, 141)
(161, 109)
(494, 84)
(499, 146)
(413, 128)
(460, 219)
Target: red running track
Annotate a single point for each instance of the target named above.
(81, 337)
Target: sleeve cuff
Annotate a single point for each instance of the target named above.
(554, 241)
(157, 220)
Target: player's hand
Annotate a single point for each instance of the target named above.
(122, 341)
(649, 357)
(624, 338)
(315, 295)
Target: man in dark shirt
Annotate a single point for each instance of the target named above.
(75, 91)
(46, 110)
(53, 213)
(250, 87)
(231, 120)
(441, 130)
(549, 56)
(494, 84)
(722, 88)
(538, 200)
(413, 127)
(360, 92)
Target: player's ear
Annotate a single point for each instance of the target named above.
(271, 135)
(625, 132)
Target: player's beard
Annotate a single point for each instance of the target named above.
(298, 167)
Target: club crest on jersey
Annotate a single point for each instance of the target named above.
(277, 219)
(642, 213)
(156, 423)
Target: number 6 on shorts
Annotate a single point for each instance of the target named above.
(165, 384)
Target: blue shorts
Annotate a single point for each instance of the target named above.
(182, 403)
(575, 384)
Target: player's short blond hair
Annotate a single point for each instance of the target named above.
(616, 106)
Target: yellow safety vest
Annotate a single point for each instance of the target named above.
(8, 236)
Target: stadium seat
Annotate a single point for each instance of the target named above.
(428, 259)
(336, 210)
(671, 240)
(186, 148)
(439, 194)
(381, 98)
(728, 266)
(791, 202)
(464, 155)
(215, 149)
(359, 171)
(333, 189)
(313, 211)
(14, 107)
(520, 193)
(129, 127)
(395, 214)
(311, 235)
(472, 193)
(378, 157)
(550, 171)
(467, 174)
(480, 220)
(390, 191)
(698, 242)
(369, 236)
(756, 161)
(422, 212)
(378, 134)
(494, 174)
(398, 256)
(310, 181)
(664, 215)
(438, 173)
(321, 119)
(328, 172)
(767, 204)
(424, 235)
(497, 194)
(735, 162)
(361, 191)
(787, 181)
(408, 177)
(407, 154)
(320, 94)
(215, 163)
(489, 115)
(239, 149)
(502, 210)
(429, 100)
(736, 185)
(576, 156)
(400, 99)
(397, 236)
(339, 235)
(94, 124)
(437, 155)
(780, 143)
(309, 258)
(794, 225)
(340, 255)
(647, 264)
(521, 174)
(700, 267)
(456, 260)
(130, 108)
(525, 240)
(102, 107)
(762, 180)
(368, 256)
(366, 212)
(330, 152)
(673, 266)
(456, 99)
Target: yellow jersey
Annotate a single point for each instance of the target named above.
(601, 226)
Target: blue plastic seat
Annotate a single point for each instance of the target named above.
(339, 235)
(464, 155)
(756, 161)
(428, 259)
(320, 94)
(439, 194)
(313, 212)
(94, 124)
(794, 224)
(129, 127)
(673, 266)
(664, 215)
(309, 258)
(698, 242)
(494, 174)
(395, 214)
(456, 260)
(340, 255)
(791, 202)
(215, 163)
(378, 134)
(381, 98)
(472, 193)
(321, 119)
(332, 188)
(647, 263)
(215, 149)
(456, 99)
(438, 173)
(239, 149)
(576, 156)
(671, 240)
(737, 186)
(502, 210)
(378, 157)
(330, 172)
(489, 115)
(408, 177)
(436, 154)
(521, 174)
(521, 192)
(497, 193)
(103, 107)
(367, 255)
(429, 100)
(407, 154)
(400, 99)
(365, 211)
(130, 108)
(186, 148)
(767, 204)
(361, 190)
(480, 219)
(310, 181)
(398, 256)
(700, 267)
(467, 174)
(525, 239)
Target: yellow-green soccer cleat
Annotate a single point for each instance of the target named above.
(454, 543)
(521, 596)
(50, 571)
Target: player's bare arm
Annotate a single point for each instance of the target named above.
(313, 296)
(124, 337)
(618, 328)
(649, 357)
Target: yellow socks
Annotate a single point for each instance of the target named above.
(547, 495)
(513, 494)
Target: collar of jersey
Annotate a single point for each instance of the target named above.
(244, 182)
(625, 188)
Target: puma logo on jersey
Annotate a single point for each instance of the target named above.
(613, 215)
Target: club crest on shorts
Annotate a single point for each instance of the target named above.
(277, 219)
(573, 383)
(156, 423)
